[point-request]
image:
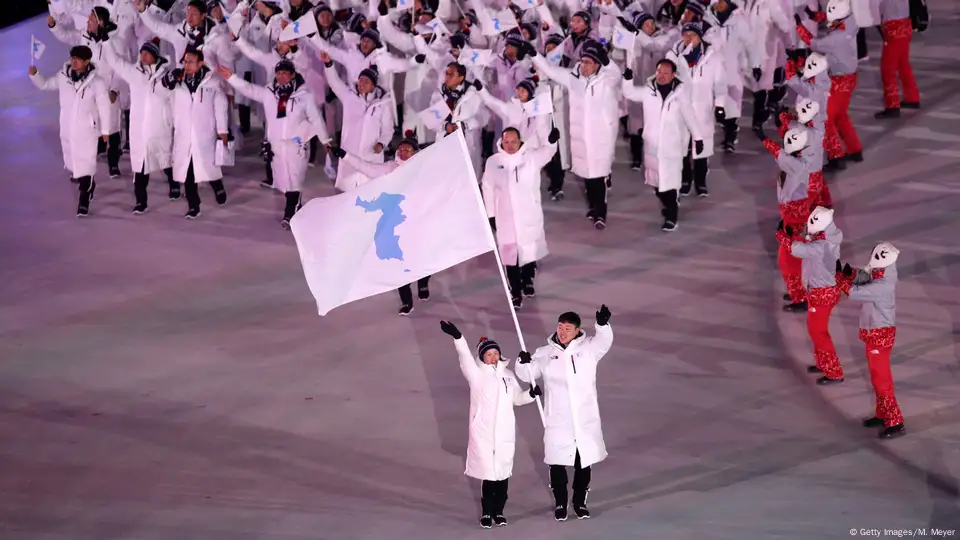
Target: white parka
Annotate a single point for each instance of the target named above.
(534, 130)
(367, 121)
(735, 41)
(470, 115)
(494, 392)
(707, 87)
(668, 125)
(511, 194)
(772, 29)
(84, 117)
(151, 120)
(198, 119)
(594, 115)
(572, 414)
(289, 136)
(648, 50)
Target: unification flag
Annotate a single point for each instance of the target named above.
(476, 58)
(302, 27)
(436, 116)
(541, 104)
(36, 49)
(422, 218)
(623, 38)
(500, 22)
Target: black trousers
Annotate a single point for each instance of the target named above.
(112, 147)
(244, 110)
(140, 181)
(314, 146)
(406, 295)
(520, 277)
(694, 172)
(760, 112)
(192, 191)
(292, 204)
(126, 130)
(269, 167)
(730, 130)
(86, 186)
(636, 148)
(555, 173)
(493, 496)
(862, 44)
(669, 205)
(597, 197)
(581, 483)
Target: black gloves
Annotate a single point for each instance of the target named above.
(810, 13)
(789, 230)
(535, 391)
(554, 136)
(524, 357)
(493, 224)
(797, 19)
(627, 25)
(628, 74)
(757, 73)
(603, 315)
(450, 329)
(338, 152)
(847, 270)
(477, 84)
(698, 146)
(780, 225)
(420, 58)
(528, 49)
(719, 114)
(839, 267)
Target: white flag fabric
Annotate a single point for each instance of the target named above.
(57, 7)
(302, 27)
(524, 4)
(554, 56)
(422, 218)
(541, 104)
(623, 38)
(36, 48)
(475, 57)
(235, 23)
(436, 116)
(437, 27)
(500, 22)
(403, 5)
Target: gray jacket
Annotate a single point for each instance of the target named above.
(894, 10)
(798, 170)
(819, 259)
(840, 48)
(878, 297)
(816, 90)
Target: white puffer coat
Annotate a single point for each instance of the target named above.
(772, 31)
(470, 115)
(198, 120)
(648, 50)
(511, 194)
(572, 414)
(534, 130)
(494, 392)
(707, 85)
(84, 114)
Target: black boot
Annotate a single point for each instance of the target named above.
(786, 297)
(893, 432)
(86, 195)
(814, 369)
(636, 151)
(290, 208)
(823, 381)
(856, 157)
(580, 504)
(795, 307)
(834, 165)
(873, 422)
(887, 113)
(219, 192)
(730, 130)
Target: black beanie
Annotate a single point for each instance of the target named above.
(458, 41)
(285, 65)
(583, 15)
(102, 14)
(485, 345)
(569, 317)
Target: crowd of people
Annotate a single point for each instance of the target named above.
(536, 88)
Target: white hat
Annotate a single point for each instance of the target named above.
(883, 256)
(815, 64)
(796, 139)
(838, 9)
(819, 220)
(807, 109)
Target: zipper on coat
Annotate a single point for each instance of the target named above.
(505, 387)
(574, 364)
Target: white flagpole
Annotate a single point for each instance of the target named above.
(496, 253)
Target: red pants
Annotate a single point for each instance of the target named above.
(818, 192)
(879, 343)
(839, 126)
(821, 305)
(790, 268)
(895, 61)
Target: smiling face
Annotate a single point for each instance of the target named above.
(79, 65)
(566, 332)
(364, 85)
(284, 77)
(691, 38)
(578, 25)
(588, 67)
(405, 152)
(665, 74)
(510, 141)
(491, 357)
(367, 45)
(325, 19)
(649, 27)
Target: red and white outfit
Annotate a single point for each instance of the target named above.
(895, 59)
(794, 211)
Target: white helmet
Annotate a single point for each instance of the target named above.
(838, 9)
(815, 64)
(883, 256)
(819, 220)
(796, 139)
(806, 110)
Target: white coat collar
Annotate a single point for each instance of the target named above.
(84, 83)
(511, 160)
(499, 368)
(575, 341)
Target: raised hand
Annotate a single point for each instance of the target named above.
(420, 58)
(478, 84)
(603, 315)
(450, 329)
(524, 357)
(628, 74)
(847, 270)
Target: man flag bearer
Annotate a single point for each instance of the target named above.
(572, 435)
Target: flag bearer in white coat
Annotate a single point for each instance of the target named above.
(511, 194)
(292, 120)
(668, 123)
(151, 121)
(199, 119)
(572, 434)
(84, 118)
(494, 392)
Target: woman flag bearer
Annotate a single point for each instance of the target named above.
(292, 120)
(572, 435)
(876, 287)
(494, 391)
(84, 117)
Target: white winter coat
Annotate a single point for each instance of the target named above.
(594, 116)
(707, 87)
(151, 120)
(534, 130)
(572, 414)
(668, 125)
(494, 392)
(561, 120)
(198, 119)
(84, 115)
(648, 50)
(367, 121)
(735, 41)
(471, 116)
(289, 136)
(217, 47)
(772, 29)
(511, 194)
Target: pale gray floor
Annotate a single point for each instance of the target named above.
(169, 379)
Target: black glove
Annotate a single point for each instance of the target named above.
(698, 146)
(554, 136)
(628, 74)
(789, 230)
(847, 270)
(603, 315)
(528, 49)
(420, 58)
(839, 267)
(338, 152)
(757, 74)
(477, 84)
(450, 329)
(797, 19)
(780, 225)
(810, 13)
(493, 224)
(535, 391)
(627, 25)
(524, 357)
(719, 114)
